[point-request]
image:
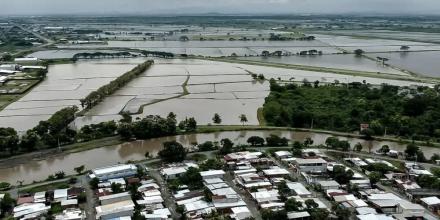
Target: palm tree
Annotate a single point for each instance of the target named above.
(243, 118)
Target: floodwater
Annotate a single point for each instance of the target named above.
(211, 86)
(425, 63)
(340, 61)
(105, 156)
(64, 86)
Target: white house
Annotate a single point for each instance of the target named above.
(104, 200)
(240, 213)
(211, 174)
(115, 210)
(312, 165)
(113, 172)
(283, 154)
(298, 189)
(59, 195)
(330, 184)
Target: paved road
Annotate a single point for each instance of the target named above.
(92, 202)
(251, 204)
(166, 194)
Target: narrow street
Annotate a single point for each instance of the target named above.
(91, 203)
(166, 194)
(252, 206)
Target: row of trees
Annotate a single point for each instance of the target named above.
(97, 96)
(406, 113)
(97, 55)
(52, 132)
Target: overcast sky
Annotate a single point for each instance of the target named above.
(149, 7)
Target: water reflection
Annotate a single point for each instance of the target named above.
(104, 156)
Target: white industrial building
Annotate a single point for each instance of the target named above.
(315, 165)
(113, 172)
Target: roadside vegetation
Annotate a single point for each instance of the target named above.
(407, 113)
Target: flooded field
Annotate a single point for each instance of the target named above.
(64, 86)
(104, 156)
(340, 61)
(424, 63)
(198, 88)
(64, 54)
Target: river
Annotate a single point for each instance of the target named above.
(103, 156)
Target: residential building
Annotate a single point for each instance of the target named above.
(432, 203)
(210, 174)
(315, 165)
(115, 210)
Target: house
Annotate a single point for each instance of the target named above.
(69, 203)
(59, 195)
(265, 196)
(176, 170)
(276, 172)
(298, 215)
(25, 199)
(104, 200)
(375, 217)
(210, 174)
(283, 154)
(71, 214)
(386, 202)
(298, 189)
(240, 213)
(115, 210)
(242, 156)
(329, 184)
(40, 197)
(361, 184)
(315, 165)
(410, 210)
(30, 210)
(113, 172)
(432, 203)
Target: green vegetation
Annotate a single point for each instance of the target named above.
(46, 187)
(173, 152)
(97, 96)
(407, 113)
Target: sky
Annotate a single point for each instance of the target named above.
(154, 7)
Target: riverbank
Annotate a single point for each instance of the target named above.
(116, 140)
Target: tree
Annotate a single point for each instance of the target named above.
(216, 119)
(7, 203)
(79, 170)
(341, 174)
(211, 164)
(411, 150)
(358, 147)
(384, 149)
(358, 52)
(206, 146)
(126, 117)
(243, 119)
(255, 141)
(116, 188)
(435, 157)
(172, 152)
(60, 175)
(29, 141)
(311, 204)
(308, 142)
(94, 183)
(125, 131)
(292, 205)
(267, 214)
(331, 142)
(276, 141)
(375, 177)
(318, 214)
(192, 178)
(227, 146)
(341, 212)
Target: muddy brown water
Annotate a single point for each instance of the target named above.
(104, 156)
